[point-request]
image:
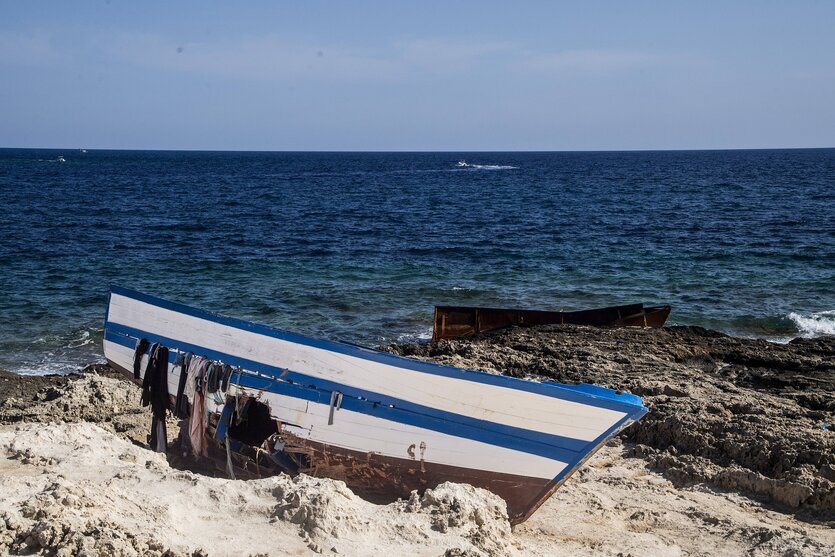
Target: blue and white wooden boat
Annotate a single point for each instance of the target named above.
(384, 424)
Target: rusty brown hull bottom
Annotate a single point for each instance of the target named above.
(382, 479)
(457, 321)
(654, 317)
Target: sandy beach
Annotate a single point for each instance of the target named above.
(736, 457)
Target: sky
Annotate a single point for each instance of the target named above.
(417, 76)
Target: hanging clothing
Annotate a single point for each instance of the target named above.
(213, 377)
(227, 374)
(138, 352)
(150, 370)
(191, 379)
(155, 395)
(181, 402)
(196, 432)
(158, 440)
(215, 384)
(199, 416)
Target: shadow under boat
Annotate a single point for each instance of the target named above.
(459, 321)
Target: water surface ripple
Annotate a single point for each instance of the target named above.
(360, 246)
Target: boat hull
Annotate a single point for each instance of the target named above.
(458, 321)
(399, 424)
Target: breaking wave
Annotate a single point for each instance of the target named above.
(82, 338)
(421, 335)
(48, 366)
(62, 353)
(815, 324)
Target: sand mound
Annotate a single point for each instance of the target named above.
(77, 489)
(91, 397)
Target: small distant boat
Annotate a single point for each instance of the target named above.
(83, 150)
(60, 159)
(384, 424)
(462, 164)
(459, 321)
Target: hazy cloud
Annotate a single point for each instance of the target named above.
(443, 55)
(270, 58)
(251, 58)
(592, 61)
(28, 49)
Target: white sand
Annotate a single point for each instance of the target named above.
(79, 489)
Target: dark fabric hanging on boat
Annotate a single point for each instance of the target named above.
(181, 402)
(155, 395)
(214, 377)
(227, 374)
(138, 352)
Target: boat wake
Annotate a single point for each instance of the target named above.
(814, 324)
(465, 165)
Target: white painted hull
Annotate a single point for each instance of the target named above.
(393, 408)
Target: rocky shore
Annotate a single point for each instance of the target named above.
(745, 415)
(735, 457)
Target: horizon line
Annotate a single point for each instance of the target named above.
(413, 151)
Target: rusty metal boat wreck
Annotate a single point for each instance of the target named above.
(384, 424)
(459, 321)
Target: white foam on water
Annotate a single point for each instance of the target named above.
(82, 339)
(814, 324)
(56, 367)
(492, 167)
(55, 354)
(416, 336)
(772, 339)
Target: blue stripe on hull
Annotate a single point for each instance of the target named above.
(598, 397)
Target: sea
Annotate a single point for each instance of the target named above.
(361, 246)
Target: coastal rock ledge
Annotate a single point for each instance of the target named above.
(745, 415)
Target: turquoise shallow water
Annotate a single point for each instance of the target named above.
(360, 246)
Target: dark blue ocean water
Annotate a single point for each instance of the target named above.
(361, 246)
